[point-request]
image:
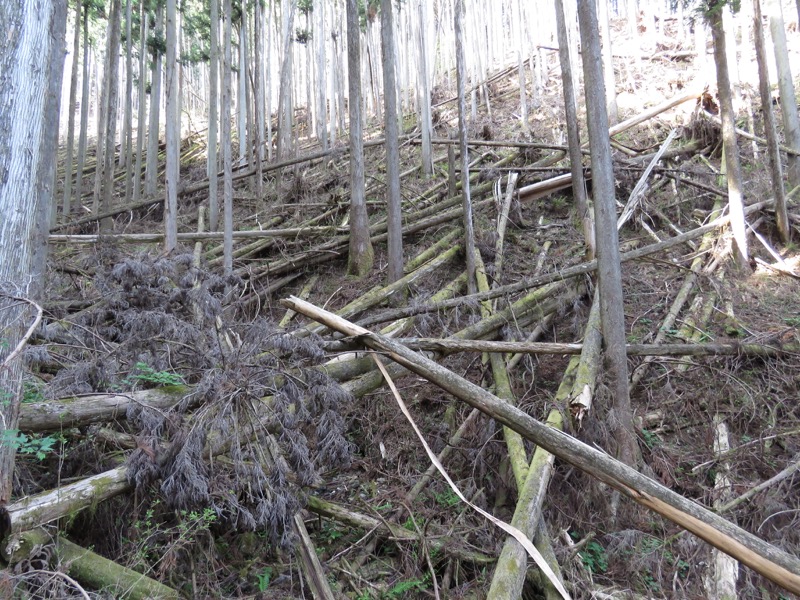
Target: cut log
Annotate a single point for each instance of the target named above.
(771, 562)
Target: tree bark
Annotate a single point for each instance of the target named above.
(393, 200)
(84, 110)
(126, 155)
(141, 128)
(608, 257)
(733, 167)
(173, 133)
(360, 255)
(461, 74)
(227, 159)
(770, 131)
(791, 121)
(73, 93)
(285, 144)
(151, 169)
(25, 66)
(213, 119)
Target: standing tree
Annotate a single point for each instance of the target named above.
(360, 255)
(225, 142)
(609, 272)
(770, 131)
(25, 64)
(84, 107)
(173, 135)
(157, 46)
(141, 130)
(126, 155)
(285, 92)
(212, 166)
(108, 139)
(395, 221)
(73, 93)
(425, 92)
(733, 167)
(461, 74)
(791, 122)
(321, 83)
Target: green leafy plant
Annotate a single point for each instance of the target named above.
(399, 589)
(144, 373)
(38, 446)
(447, 498)
(264, 578)
(594, 557)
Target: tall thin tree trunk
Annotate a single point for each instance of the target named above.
(269, 83)
(285, 93)
(573, 130)
(258, 67)
(112, 99)
(461, 74)
(212, 166)
(608, 267)
(320, 39)
(84, 111)
(73, 93)
(126, 155)
(394, 218)
(141, 128)
(791, 122)
(225, 142)
(173, 133)
(425, 94)
(733, 168)
(608, 64)
(151, 170)
(770, 131)
(360, 255)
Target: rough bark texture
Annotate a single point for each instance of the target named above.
(461, 74)
(173, 129)
(84, 110)
(360, 257)
(213, 119)
(608, 258)
(151, 170)
(227, 158)
(24, 72)
(791, 121)
(395, 220)
(73, 95)
(770, 131)
(733, 166)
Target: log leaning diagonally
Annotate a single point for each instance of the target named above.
(771, 562)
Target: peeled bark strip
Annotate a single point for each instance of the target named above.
(771, 562)
(90, 568)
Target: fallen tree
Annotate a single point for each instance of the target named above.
(771, 562)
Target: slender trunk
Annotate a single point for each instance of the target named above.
(173, 133)
(110, 134)
(73, 92)
(151, 170)
(269, 84)
(212, 166)
(425, 95)
(573, 131)
(241, 96)
(608, 65)
(141, 129)
(770, 131)
(394, 218)
(733, 168)
(461, 73)
(322, 82)
(126, 156)
(84, 111)
(285, 94)
(608, 267)
(258, 49)
(791, 122)
(360, 257)
(227, 158)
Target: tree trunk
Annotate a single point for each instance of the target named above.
(227, 159)
(608, 259)
(461, 75)
(25, 64)
(258, 68)
(141, 128)
(84, 111)
(73, 93)
(360, 256)
(770, 131)
(791, 122)
(320, 38)
(126, 155)
(151, 169)
(733, 168)
(393, 200)
(425, 93)
(573, 131)
(173, 133)
(608, 65)
(212, 165)
(108, 139)
(285, 94)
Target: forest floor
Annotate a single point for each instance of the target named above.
(122, 317)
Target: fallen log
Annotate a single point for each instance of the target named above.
(89, 567)
(768, 560)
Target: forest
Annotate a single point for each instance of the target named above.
(374, 299)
